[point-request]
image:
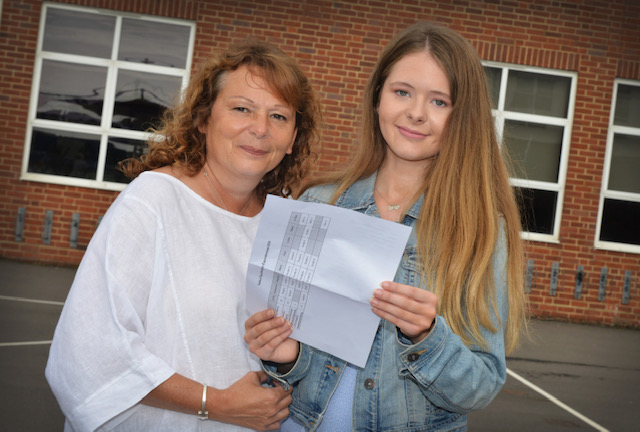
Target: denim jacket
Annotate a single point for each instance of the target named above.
(429, 386)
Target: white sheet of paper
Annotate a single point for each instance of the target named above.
(318, 265)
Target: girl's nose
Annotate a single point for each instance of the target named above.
(417, 112)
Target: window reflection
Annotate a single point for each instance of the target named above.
(71, 92)
(154, 43)
(64, 153)
(119, 149)
(620, 222)
(536, 93)
(624, 174)
(535, 149)
(494, 76)
(141, 98)
(105, 76)
(537, 209)
(627, 106)
(80, 33)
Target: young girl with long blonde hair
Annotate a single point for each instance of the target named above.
(430, 159)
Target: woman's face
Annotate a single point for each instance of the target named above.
(250, 129)
(415, 103)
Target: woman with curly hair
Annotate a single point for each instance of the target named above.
(150, 337)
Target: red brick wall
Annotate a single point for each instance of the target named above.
(337, 42)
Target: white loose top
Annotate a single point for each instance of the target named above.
(160, 290)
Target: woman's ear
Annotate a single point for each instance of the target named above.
(202, 128)
(293, 140)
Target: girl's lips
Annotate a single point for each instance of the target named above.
(409, 133)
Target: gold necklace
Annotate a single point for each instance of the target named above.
(390, 207)
(218, 193)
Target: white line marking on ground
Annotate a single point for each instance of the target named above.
(557, 402)
(9, 344)
(23, 299)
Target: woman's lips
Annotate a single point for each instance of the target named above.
(254, 151)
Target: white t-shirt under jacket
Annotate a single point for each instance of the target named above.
(160, 290)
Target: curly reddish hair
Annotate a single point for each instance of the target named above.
(178, 140)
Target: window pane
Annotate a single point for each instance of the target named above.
(535, 149)
(535, 93)
(154, 43)
(119, 149)
(537, 209)
(71, 92)
(620, 222)
(64, 153)
(78, 33)
(142, 97)
(493, 79)
(627, 106)
(625, 164)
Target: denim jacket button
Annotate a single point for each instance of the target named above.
(413, 357)
(368, 384)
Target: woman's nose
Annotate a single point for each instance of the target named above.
(260, 126)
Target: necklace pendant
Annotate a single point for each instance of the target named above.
(394, 207)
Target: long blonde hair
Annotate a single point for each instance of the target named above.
(466, 190)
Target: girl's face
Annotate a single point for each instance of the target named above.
(415, 103)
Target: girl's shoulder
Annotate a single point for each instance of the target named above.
(319, 193)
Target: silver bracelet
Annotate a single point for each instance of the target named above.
(203, 414)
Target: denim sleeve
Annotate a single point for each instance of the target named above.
(299, 370)
(451, 375)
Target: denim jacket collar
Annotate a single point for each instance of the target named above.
(360, 196)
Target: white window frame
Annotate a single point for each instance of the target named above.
(112, 65)
(501, 116)
(605, 193)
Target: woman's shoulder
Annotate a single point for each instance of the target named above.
(150, 180)
(153, 188)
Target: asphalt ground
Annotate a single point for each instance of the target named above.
(564, 377)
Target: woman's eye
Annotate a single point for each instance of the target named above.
(440, 103)
(402, 92)
(279, 117)
(241, 109)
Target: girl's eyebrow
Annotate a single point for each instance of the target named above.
(431, 92)
(401, 83)
(439, 93)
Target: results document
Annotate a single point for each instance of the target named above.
(317, 265)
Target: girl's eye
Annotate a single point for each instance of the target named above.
(440, 103)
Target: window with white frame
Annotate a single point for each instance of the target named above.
(533, 109)
(101, 79)
(619, 210)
